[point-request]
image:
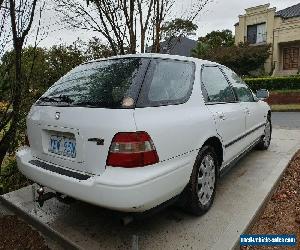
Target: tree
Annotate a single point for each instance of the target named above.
(21, 22)
(178, 27)
(212, 40)
(95, 49)
(126, 24)
(34, 71)
(200, 50)
(62, 59)
(218, 38)
(243, 58)
(219, 46)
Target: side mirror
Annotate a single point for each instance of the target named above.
(262, 94)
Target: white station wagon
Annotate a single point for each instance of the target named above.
(133, 132)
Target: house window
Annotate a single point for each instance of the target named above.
(256, 33)
(290, 58)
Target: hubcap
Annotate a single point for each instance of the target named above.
(267, 136)
(206, 179)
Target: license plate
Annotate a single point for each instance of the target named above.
(62, 145)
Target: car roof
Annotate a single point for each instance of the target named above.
(157, 55)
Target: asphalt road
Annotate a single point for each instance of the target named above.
(287, 120)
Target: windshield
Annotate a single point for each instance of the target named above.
(111, 83)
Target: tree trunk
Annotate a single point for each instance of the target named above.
(17, 94)
(131, 28)
(157, 28)
(143, 36)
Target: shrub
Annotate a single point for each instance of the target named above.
(274, 83)
(11, 179)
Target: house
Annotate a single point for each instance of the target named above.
(181, 46)
(281, 29)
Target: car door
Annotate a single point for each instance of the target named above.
(228, 114)
(255, 115)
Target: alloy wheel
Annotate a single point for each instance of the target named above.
(267, 136)
(206, 179)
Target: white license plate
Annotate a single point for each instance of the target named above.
(62, 145)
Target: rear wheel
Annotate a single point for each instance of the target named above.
(202, 187)
(265, 140)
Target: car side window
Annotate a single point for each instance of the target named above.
(244, 94)
(216, 86)
(167, 82)
(171, 81)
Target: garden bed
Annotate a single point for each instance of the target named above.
(16, 234)
(282, 213)
(292, 97)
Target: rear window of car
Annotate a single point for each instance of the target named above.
(123, 83)
(108, 84)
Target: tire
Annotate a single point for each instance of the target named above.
(265, 140)
(200, 192)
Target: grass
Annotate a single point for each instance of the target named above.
(285, 107)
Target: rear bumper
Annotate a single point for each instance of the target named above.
(128, 190)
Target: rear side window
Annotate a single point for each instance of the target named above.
(216, 86)
(167, 82)
(242, 91)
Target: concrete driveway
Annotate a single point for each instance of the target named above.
(240, 195)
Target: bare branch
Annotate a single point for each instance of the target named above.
(197, 8)
(25, 32)
(125, 24)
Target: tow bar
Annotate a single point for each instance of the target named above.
(44, 196)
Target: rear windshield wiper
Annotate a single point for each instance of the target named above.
(61, 98)
(65, 98)
(98, 104)
(47, 99)
(88, 103)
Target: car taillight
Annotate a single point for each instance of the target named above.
(131, 149)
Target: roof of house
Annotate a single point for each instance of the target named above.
(177, 46)
(293, 11)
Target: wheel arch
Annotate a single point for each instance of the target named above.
(216, 143)
(269, 114)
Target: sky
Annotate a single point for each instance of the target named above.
(217, 15)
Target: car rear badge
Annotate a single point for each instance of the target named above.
(57, 115)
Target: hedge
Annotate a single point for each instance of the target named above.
(274, 83)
